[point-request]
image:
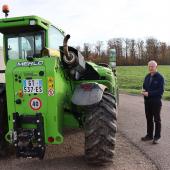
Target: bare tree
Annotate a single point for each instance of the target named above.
(132, 51)
(152, 49)
(86, 50)
(140, 52)
(168, 55)
(162, 53)
(98, 47)
(127, 41)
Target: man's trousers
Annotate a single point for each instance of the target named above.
(152, 111)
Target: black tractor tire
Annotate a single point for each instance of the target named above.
(3, 124)
(100, 131)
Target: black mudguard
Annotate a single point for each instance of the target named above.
(87, 94)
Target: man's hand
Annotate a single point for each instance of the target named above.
(145, 93)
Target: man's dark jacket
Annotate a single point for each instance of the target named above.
(154, 86)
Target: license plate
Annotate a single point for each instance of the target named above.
(32, 86)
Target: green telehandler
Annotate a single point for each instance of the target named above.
(48, 87)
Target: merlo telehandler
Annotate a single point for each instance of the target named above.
(48, 87)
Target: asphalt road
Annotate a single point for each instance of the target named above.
(70, 156)
(132, 124)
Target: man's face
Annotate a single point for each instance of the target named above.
(152, 68)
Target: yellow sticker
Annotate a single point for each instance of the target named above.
(50, 83)
(50, 80)
(51, 86)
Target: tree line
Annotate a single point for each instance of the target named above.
(128, 51)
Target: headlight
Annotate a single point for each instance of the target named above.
(32, 22)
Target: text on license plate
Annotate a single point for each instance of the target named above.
(32, 86)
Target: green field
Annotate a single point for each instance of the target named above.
(131, 78)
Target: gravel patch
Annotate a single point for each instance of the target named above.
(70, 155)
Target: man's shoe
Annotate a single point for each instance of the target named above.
(146, 138)
(156, 140)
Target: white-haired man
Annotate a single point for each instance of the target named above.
(153, 88)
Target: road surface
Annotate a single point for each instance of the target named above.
(70, 156)
(132, 124)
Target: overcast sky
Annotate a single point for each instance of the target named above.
(93, 20)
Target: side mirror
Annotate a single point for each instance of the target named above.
(112, 58)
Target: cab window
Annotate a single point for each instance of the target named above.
(24, 45)
(55, 38)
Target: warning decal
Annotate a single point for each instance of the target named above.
(50, 92)
(51, 86)
(35, 103)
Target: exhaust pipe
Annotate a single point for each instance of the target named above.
(69, 57)
(66, 52)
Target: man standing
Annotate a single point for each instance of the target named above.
(153, 88)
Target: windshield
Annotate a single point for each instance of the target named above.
(24, 45)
